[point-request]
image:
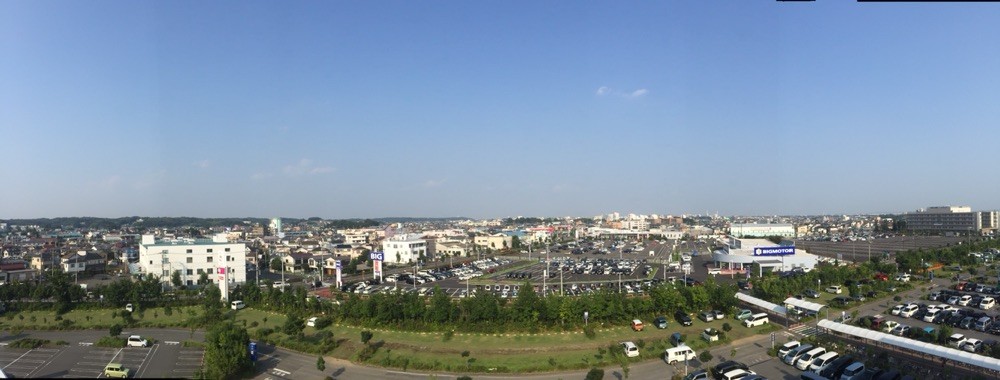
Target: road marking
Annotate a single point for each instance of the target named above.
(280, 372)
(141, 373)
(18, 358)
(86, 343)
(171, 343)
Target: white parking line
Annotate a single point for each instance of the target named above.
(140, 373)
(18, 358)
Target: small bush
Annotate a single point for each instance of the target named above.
(447, 336)
(110, 341)
(589, 332)
(595, 374)
(366, 336)
(726, 327)
(465, 353)
(705, 356)
(253, 324)
(28, 343)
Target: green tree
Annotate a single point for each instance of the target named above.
(115, 330)
(320, 363)
(203, 279)
(293, 326)
(366, 336)
(226, 351)
(175, 279)
(211, 305)
(275, 264)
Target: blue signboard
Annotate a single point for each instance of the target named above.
(253, 351)
(377, 256)
(774, 251)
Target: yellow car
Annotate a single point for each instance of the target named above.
(115, 370)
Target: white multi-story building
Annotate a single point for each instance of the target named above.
(404, 248)
(224, 262)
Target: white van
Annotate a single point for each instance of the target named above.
(956, 340)
(823, 361)
(756, 320)
(792, 356)
(678, 354)
(806, 359)
(788, 347)
(236, 305)
(987, 303)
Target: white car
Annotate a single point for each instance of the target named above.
(903, 277)
(964, 300)
(908, 311)
(835, 289)
(952, 300)
(631, 350)
(896, 309)
(987, 303)
(887, 326)
(137, 341)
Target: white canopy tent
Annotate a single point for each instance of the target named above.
(915, 345)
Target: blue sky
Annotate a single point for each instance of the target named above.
(494, 109)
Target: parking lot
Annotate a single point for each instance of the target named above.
(165, 359)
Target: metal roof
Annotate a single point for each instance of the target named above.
(762, 304)
(803, 304)
(915, 345)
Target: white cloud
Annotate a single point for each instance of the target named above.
(608, 91)
(305, 166)
(203, 164)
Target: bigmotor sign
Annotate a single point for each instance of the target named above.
(784, 250)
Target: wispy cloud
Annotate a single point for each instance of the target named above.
(260, 175)
(305, 166)
(433, 183)
(608, 91)
(109, 182)
(203, 164)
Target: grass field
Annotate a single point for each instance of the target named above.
(95, 319)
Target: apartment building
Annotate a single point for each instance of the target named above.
(224, 262)
(404, 248)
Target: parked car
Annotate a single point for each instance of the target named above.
(726, 367)
(698, 375)
(115, 370)
(706, 316)
(719, 314)
(743, 314)
(136, 341)
(835, 289)
(631, 350)
(811, 293)
(637, 325)
(682, 318)
(785, 348)
(660, 322)
(896, 309)
(312, 322)
(677, 339)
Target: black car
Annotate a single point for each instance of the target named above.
(744, 285)
(811, 293)
(940, 317)
(727, 366)
(955, 319)
(683, 318)
(835, 369)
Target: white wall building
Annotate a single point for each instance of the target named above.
(404, 249)
(761, 230)
(224, 262)
(743, 253)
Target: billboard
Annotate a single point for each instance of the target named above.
(783, 250)
(377, 256)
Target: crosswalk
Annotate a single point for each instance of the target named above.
(804, 330)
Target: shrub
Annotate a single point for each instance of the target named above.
(253, 324)
(447, 335)
(589, 332)
(366, 336)
(726, 327)
(465, 353)
(115, 330)
(464, 377)
(595, 374)
(28, 343)
(110, 341)
(705, 356)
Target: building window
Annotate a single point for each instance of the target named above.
(190, 272)
(190, 282)
(150, 262)
(200, 271)
(210, 258)
(227, 249)
(190, 260)
(229, 258)
(209, 250)
(190, 251)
